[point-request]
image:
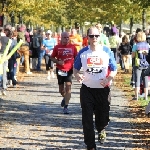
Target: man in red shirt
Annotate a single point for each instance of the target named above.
(63, 55)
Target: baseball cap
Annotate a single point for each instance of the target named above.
(49, 32)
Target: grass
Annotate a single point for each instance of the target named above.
(142, 102)
(140, 121)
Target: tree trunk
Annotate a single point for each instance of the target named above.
(4, 20)
(131, 24)
(144, 19)
(120, 30)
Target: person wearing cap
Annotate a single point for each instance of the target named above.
(48, 45)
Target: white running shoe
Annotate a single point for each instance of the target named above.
(15, 77)
(29, 72)
(10, 82)
(52, 75)
(48, 77)
(3, 92)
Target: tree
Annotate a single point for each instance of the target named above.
(144, 6)
(67, 12)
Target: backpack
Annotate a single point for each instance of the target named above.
(125, 49)
(36, 42)
(21, 35)
(140, 58)
(148, 39)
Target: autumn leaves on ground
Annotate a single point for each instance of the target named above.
(140, 122)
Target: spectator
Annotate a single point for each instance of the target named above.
(113, 40)
(125, 50)
(139, 52)
(4, 42)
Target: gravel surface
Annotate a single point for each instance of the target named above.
(32, 118)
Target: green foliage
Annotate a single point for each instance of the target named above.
(67, 12)
(142, 3)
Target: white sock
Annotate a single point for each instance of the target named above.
(48, 73)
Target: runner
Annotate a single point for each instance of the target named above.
(76, 39)
(63, 55)
(94, 93)
(48, 45)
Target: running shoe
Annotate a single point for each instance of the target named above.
(102, 136)
(52, 75)
(48, 77)
(29, 72)
(3, 92)
(66, 111)
(63, 102)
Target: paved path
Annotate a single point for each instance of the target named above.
(32, 119)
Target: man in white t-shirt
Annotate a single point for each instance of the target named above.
(99, 68)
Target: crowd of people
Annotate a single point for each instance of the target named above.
(95, 52)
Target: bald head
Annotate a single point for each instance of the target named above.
(64, 38)
(64, 34)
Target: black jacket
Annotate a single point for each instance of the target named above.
(125, 49)
(4, 41)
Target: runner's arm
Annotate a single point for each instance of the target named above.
(79, 77)
(76, 72)
(112, 75)
(54, 60)
(54, 55)
(43, 45)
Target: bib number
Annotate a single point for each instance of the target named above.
(94, 62)
(62, 73)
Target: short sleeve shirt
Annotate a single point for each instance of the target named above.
(134, 48)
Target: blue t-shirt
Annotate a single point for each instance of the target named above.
(134, 48)
(49, 44)
(145, 46)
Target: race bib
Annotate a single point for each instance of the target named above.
(94, 61)
(62, 73)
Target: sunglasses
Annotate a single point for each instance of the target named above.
(66, 37)
(92, 36)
